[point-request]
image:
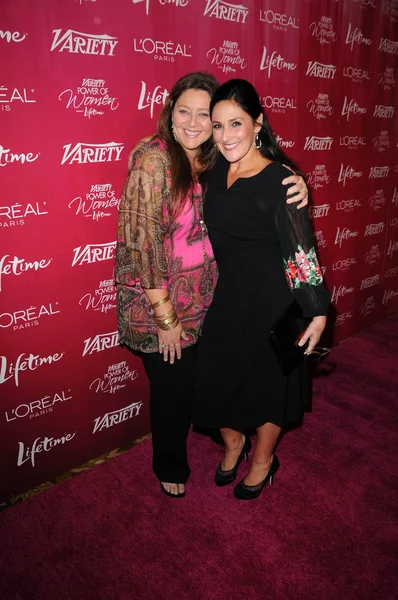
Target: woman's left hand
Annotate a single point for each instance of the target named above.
(313, 333)
(299, 189)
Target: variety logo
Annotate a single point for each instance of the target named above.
(322, 210)
(318, 177)
(390, 9)
(117, 416)
(348, 172)
(89, 97)
(352, 142)
(9, 97)
(318, 143)
(345, 264)
(342, 235)
(389, 295)
(348, 205)
(392, 248)
(378, 172)
(340, 292)
(24, 363)
(180, 3)
(323, 31)
(162, 51)
(351, 107)
(103, 299)
(18, 266)
(150, 99)
(381, 143)
(37, 408)
(320, 240)
(76, 42)
(278, 104)
(101, 342)
(275, 61)
(395, 197)
(279, 21)
(92, 253)
(368, 306)
(227, 11)
(386, 79)
(227, 57)
(284, 143)
(7, 157)
(388, 46)
(393, 272)
(377, 200)
(369, 282)
(114, 379)
(343, 317)
(355, 36)
(374, 228)
(83, 153)
(356, 75)
(383, 112)
(40, 445)
(100, 198)
(29, 317)
(320, 107)
(317, 69)
(15, 214)
(12, 36)
(373, 255)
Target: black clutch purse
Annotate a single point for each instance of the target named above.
(285, 335)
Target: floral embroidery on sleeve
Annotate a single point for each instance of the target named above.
(303, 268)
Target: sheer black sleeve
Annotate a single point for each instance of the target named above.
(302, 269)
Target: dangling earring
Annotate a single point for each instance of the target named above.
(258, 143)
(174, 133)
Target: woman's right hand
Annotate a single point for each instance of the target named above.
(170, 342)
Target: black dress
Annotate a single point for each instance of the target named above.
(265, 255)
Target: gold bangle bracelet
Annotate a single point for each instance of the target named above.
(166, 315)
(160, 302)
(171, 325)
(168, 321)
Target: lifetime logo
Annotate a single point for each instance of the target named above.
(226, 10)
(318, 143)
(76, 42)
(83, 153)
(356, 36)
(102, 341)
(93, 253)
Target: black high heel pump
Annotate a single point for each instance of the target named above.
(226, 477)
(249, 492)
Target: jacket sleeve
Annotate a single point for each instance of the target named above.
(302, 270)
(143, 247)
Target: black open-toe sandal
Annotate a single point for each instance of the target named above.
(170, 493)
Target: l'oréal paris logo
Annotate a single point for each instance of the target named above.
(275, 61)
(279, 21)
(41, 444)
(355, 36)
(24, 363)
(101, 342)
(15, 96)
(76, 42)
(352, 142)
(356, 75)
(117, 416)
(278, 104)
(14, 215)
(37, 408)
(83, 153)
(27, 317)
(226, 11)
(92, 253)
(160, 50)
(320, 70)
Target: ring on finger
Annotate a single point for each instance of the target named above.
(165, 346)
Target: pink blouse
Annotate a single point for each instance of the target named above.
(154, 252)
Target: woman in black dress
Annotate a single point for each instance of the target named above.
(265, 255)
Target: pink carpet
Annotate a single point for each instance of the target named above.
(326, 530)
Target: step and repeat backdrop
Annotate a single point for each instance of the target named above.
(81, 82)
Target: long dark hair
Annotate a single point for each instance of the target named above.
(244, 94)
(182, 176)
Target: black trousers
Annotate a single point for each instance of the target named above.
(171, 391)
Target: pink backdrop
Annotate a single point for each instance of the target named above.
(81, 82)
